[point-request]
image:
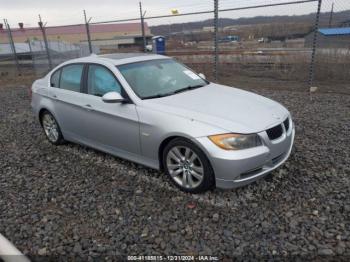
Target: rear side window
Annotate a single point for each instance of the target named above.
(55, 79)
(101, 81)
(71, 77)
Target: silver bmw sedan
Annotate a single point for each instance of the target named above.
(157, 112)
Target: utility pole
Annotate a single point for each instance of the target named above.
(42, 27)
(216, 29)
(331, 16)
(88, 32)
(142, 15)
(12, 44)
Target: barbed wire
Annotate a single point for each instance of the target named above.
(67, 20)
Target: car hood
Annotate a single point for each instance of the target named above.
(226, 107)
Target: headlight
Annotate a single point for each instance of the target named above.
(236, 141)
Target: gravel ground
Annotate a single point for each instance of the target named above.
(77, 202)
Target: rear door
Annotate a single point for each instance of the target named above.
(66, 92)
(113, 127)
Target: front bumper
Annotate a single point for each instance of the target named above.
(238, 168)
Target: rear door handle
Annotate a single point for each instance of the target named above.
(54, 96)
(88, 107)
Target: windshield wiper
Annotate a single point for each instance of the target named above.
(175, 92)
(157, 96)
(187, 88)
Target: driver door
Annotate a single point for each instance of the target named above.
(111, 127)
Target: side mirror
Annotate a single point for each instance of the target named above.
(112, 97)
(202, 75)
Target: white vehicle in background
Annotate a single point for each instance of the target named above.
(149, 48)
(9, 253)
(261, 40)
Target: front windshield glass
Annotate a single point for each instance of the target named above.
(162, 77)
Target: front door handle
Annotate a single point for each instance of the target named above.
(54, 96)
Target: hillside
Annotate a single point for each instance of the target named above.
(308, 20)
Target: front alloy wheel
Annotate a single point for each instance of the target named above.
(187, 166)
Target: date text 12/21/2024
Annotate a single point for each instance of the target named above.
(173, 258)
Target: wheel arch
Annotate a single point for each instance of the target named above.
(168, 139)
(41, 112)
(162, 147)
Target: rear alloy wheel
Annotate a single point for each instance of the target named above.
(51, 128)
(187, 166)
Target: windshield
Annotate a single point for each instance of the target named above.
(157, 78)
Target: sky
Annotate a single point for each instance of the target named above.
(63, 12)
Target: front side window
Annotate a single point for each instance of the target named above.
(161, 77)
(71, 77)
(101, 81)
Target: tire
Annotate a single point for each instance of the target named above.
(51, 128)
(187, 166)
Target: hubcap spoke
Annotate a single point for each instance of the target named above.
(184, 179)
(176, 172)
(196, 175)
(197, 169)
(54, 133)
(173, 156)
(190, 180)
(173, 166)
(192, 158)
(177, 153)
(187, 153)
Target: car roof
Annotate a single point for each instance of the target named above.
(118, 58)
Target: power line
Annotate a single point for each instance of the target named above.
(208, 11)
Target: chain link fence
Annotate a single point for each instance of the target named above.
(272, 43)
(8, 57)
(332, 60)
(253, 48)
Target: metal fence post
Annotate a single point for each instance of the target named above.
(314, 45)
(88, 32)
(142, 15)
(331, 16)
(31, 53)
(42, 27)
(12, 44)
(216, 29)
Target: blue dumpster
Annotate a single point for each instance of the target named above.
(158, 43)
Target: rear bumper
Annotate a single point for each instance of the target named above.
(238, 168)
